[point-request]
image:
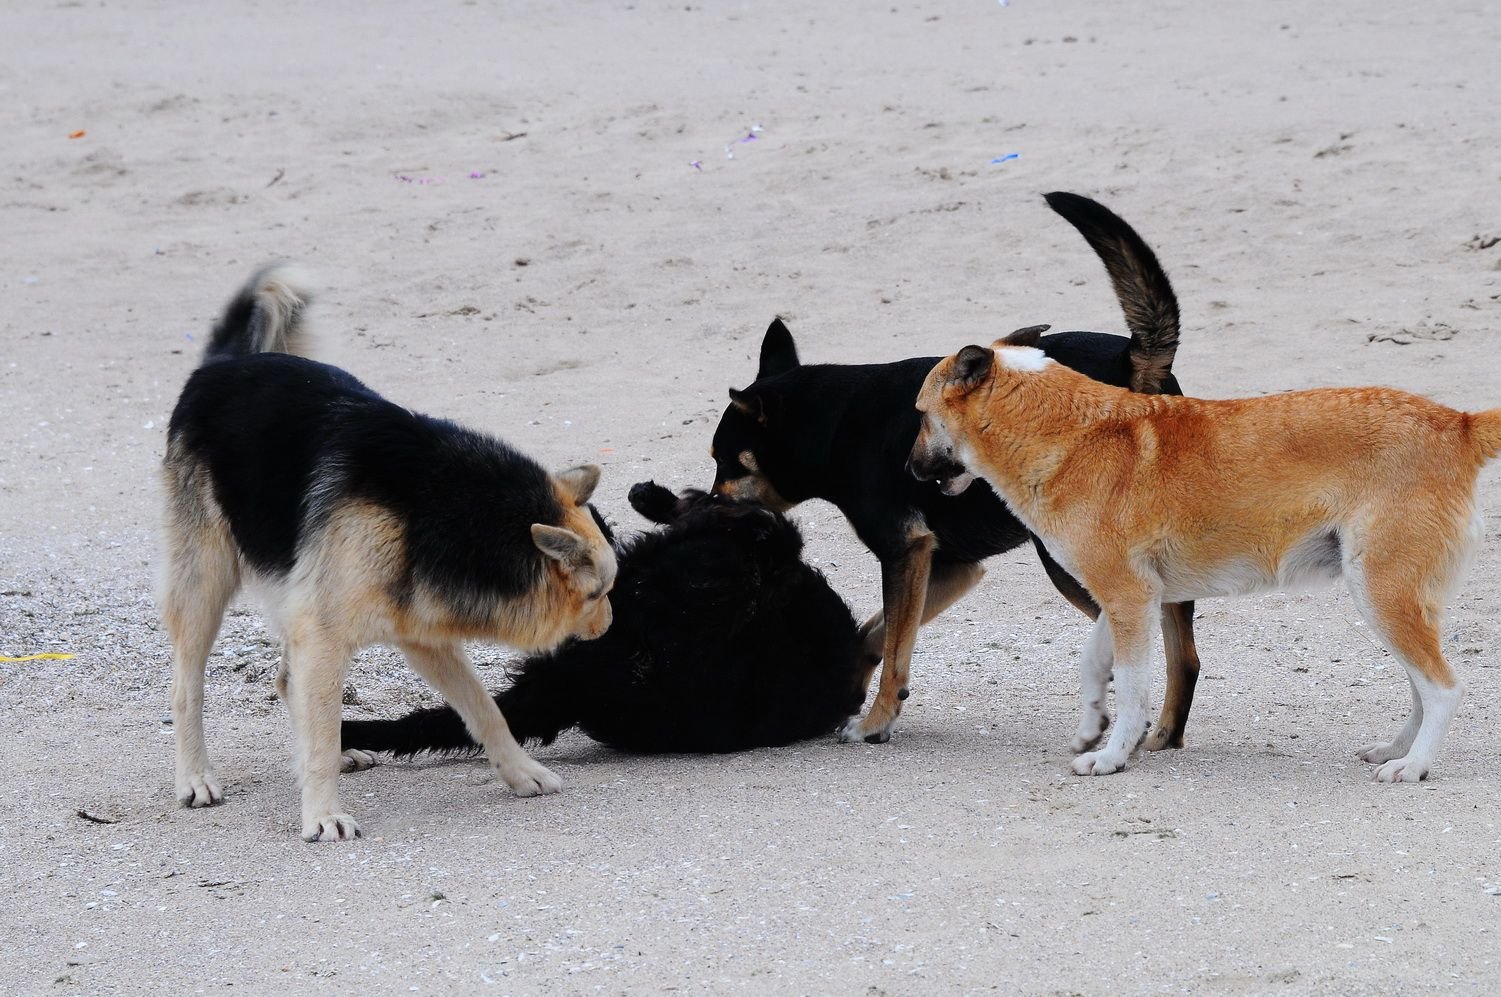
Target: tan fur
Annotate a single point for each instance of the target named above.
(344, 593)
(1155, 498)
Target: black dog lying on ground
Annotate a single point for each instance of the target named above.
(723, 640)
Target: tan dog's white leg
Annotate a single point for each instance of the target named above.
(1385, 751)
(1094, 678)
(1132, 628)
(1398, 586)
(202, 575)
(315, 680)
(447, 669)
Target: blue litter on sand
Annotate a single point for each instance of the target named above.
(1008, 156)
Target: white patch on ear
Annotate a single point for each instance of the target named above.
(1024, 358)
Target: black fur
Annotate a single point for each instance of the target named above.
(285, 439)
(723, 640)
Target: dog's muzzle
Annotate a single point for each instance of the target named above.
(952, 477)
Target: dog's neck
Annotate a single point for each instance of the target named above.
(1024, 426)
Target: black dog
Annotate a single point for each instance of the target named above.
(842, 433)
(723, 639)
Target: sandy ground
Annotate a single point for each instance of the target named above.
(1321, 181)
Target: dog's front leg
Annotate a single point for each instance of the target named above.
(1094, 680)
(1130, 626)
(904, 586)
(447, 669)
(313, 680)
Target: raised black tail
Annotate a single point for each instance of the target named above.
(265, 316)
(535, 706)
(1141, 286)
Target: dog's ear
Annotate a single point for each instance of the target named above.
(750, 404)
(1026, 337)
(563, 546)
(579, 482)
(971, 368)
(778, 351)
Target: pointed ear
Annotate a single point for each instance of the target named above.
(750, 404)
(1025, 337)
(972, 367)
(579, 482)
(563, 546)
(778, 352)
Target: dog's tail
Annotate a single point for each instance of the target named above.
(1487, 432)
(533, 706)
(266, 316)
(1142, 287)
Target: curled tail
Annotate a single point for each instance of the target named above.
(266, 316)
(536, 707)
(1487, 430)
(1145, 294)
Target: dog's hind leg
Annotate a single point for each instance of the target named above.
(316, 665)
(447, 669)
(202, 575)
(904, 586)
(1399, 584)
(1384, 751)
(1182, 656)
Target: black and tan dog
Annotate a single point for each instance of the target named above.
(358, 522)
(1149, 500)
(842, 433)
(724, 639)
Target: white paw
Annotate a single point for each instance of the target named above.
(863, 729)
(1402, 770)
(330, 827)
(1099, 762)
(1088, 734)
(1381, 751)
(199, 789)
(355, 760)
(530, 778)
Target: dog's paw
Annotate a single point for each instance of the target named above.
(864, 729)
(1381, 751)
(530, 778)
(330, 827)
(1159, 739)
(1091, 729)
(1103, 762)
(199, 789)
(355, 760)
(1402, 770)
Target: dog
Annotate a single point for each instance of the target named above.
(359, 522)
(723, 640)
(842, 433)
(1150, 499)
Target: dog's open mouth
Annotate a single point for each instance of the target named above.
(956, 484)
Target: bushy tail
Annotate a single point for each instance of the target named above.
(1488, 432)
(266, 316)
(535, 707)
(1142, 287)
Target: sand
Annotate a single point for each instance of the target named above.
(1321, 182)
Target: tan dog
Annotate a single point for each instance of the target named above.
(1149, 499)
